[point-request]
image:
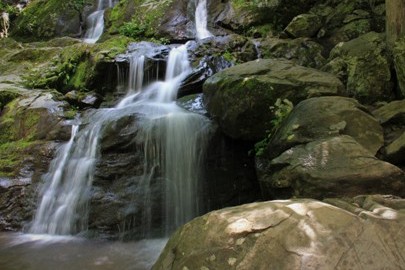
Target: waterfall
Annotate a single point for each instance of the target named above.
(201, 20)
(95, 22)
(171, 139)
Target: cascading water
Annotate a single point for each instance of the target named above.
(201, 20)
(95, 21)
(172, 140)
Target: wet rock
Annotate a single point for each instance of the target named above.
(292, 234)
(304, 25)
(239, 97)
(323, 117)
(84, 100)
(363, 66)
(332, 167)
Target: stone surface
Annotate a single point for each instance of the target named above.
(239, 97)
(395, 151)
(391, 112)
(323, 117)
(363, 66)
(303, 51)
(293, 234)
(332, 167)
(304, 25)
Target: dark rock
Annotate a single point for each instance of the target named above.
(304, 25)
(399, 60)
(362, 64)
(292, 234)
(303, 51)
(239, 97)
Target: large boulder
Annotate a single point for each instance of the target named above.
(363, 66)
(304, 25)
(323, 117)
(240, 97)
(332, 167)
(293, 234)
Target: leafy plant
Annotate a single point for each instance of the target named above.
(281, 109)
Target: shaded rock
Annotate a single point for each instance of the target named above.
(395, 151)
(399, 60)
(323, 117)
(303, 51)
(363, 66)
(239, 97)
(392, 118)
(393, 112)
(84, 100)
(304, 25)
(291, 234)
(332, 167)
(240, 15)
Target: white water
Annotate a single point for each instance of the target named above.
(95, 22)
(201, 20)
(172, 140)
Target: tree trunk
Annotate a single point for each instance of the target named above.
(395, 26)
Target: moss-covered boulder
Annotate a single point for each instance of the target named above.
(46, 19)
(293, 234)
(239, 98)
(399, 60)
(363, 65)
(303, 51)
(323, 117)
(243, 15)
(304, 25)
(333, 167)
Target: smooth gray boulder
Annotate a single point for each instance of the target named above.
(293, 234)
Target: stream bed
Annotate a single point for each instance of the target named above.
(29, 251)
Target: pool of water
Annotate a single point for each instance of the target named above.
(42, 252)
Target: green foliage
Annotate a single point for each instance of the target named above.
(281, 110)
(133, 29)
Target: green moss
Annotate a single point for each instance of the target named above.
(137, 18)
(12, 155)
(6, 96)
(39, 20)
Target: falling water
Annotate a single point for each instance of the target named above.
(201, 20)
(172, 140)
(95, 21)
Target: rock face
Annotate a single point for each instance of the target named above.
(333, 167)
(240, 97)
(29, 122)
(293, 234)
(363, 66)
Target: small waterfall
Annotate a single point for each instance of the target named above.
(201, 20)
(171, 139)
(95, 22)
(67, 186)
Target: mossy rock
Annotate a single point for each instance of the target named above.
(239, 98)
(6, 96)
(364, 66)
(47, 19)
(399, 60)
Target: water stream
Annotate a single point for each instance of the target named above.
(172, 140)
(201, 19)
(95, 21)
